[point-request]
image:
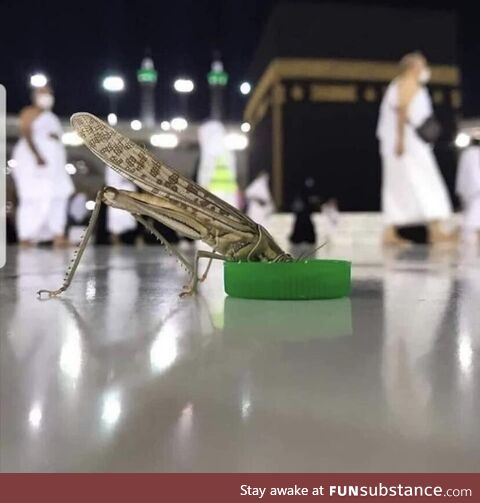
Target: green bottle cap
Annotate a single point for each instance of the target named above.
(304, 280)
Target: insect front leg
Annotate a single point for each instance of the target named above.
(192, 287)
(78, 252)
(207, 269)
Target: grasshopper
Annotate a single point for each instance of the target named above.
(172, 200)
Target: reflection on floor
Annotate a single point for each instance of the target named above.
(120, 374)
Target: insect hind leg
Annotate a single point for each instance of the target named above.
(165, 242)
(77, 254)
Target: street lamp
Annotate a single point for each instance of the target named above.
(462, 140)
(179, 123)
(245, 88)
(236, 141)
(164, 140)
(113, 84)
(165, 125)
(38, 80)
(112, 119)
(184, 85)
(245, 127)
(136, 125)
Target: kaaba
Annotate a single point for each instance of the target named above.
(319, 74)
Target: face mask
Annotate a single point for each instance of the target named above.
(44, 101)
(424, 76)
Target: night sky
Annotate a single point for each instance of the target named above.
(78, 42)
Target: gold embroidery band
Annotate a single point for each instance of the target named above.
(282, 69)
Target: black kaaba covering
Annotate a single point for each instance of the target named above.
(319, 73)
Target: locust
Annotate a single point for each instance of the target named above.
(172, 199)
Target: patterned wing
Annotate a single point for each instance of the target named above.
(140, 167)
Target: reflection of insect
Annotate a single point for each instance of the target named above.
(174, 201)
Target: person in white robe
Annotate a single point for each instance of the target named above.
(413, 190)
(468, 188)
(259, 199)
(43, 186)
(118, 221)
(217, 170)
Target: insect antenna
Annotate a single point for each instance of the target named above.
(304, 257)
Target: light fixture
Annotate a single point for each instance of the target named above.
(179, 124)
(245, 87)
(165, 125)
(111, 409)
(71, 139)
(113, 83)
(462, 140)
(35, 416)
(136, 125)
(183, 85)
(38, 80)
(12, 163)
(236, 141)
(164, 140)
(70, 168)
(112, 119)
(245, 127)
(89, 205)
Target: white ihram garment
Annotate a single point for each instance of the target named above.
(413, 190)
(119, 221)
(43, 191)
(259, 190)
(468, 188)
(213, 150)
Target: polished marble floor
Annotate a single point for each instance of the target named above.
(121, 375)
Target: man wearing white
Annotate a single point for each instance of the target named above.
(468, 188)
(259, 200)
(217, 171)
(43, 186)
(413, 191)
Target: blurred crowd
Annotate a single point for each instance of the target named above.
(413, 191)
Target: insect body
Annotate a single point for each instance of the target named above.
(173, 200)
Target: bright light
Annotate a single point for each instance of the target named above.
(112, 408)
(35, 416)
(236, 141)
(465, 353)
(164, 140)
(89, 205)
(71, 356)
(179, 124)
(163, 352)
(245, 127)
(12, 163)
(245, 88)
(38, 80)
(165, 125)
(462, 140)
(113, 84)
(136, 125)
(71, 139)
(70, 168)
(183, 85)
(112, 119)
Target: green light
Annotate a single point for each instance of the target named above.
(148, 75)
(217, 78)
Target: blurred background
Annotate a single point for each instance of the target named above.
(296, 86)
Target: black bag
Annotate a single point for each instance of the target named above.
(430, 130)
